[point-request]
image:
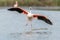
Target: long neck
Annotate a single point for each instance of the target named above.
(16, 4)
(30, 10)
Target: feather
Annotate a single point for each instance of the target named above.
(18, 10)
(44, 19)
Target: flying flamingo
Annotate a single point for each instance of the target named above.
(29, 15)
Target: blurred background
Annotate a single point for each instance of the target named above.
(31, 2)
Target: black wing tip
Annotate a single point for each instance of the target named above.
(10, 9)
(16, 9)
(48, 21)
(45, 19)
(51, 24)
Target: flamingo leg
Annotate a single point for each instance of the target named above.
(27, 23)
(30, 22)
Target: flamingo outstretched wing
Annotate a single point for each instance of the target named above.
(43, 18)
(20, 10)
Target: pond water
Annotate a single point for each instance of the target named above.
(12, 26)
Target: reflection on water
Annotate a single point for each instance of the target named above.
(32, 35)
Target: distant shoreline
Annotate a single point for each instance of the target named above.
(38, 8)
(47, 8)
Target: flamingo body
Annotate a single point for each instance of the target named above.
(29, 15)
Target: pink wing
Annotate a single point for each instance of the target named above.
(43, 18)
(20, 10)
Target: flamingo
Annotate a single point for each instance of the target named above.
(16, 4)
(29, 15)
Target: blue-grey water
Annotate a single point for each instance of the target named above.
(12, 26)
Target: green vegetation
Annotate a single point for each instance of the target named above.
(30, 2)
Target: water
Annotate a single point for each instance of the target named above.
(12, 26)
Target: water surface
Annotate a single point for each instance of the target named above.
(12, 26)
